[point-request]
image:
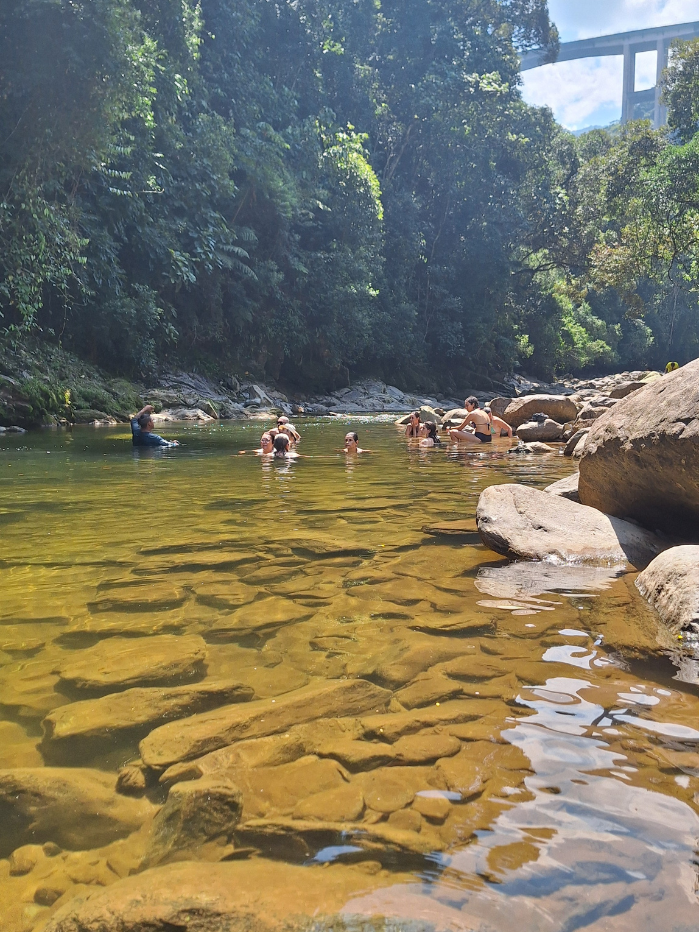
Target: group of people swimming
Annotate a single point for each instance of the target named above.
(479, 426)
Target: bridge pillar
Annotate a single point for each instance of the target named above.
(660, 111)
(628, 83)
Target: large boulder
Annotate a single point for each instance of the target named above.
(498, 405)
(75, 807)
(540, 431)
(671, 585)
(625, 388)
(557, 407)
(641, 459)
(573, 441)
(526, 524)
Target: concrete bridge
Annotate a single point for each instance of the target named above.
(628, 44)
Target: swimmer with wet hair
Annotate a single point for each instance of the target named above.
(413, 428)
(431, 440)
(282, 448)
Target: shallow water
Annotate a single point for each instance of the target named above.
(555, 785)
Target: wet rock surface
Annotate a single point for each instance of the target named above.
(641, 459)
(524, 523)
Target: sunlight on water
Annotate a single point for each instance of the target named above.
(534, 757)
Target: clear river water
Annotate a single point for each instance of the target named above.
(537, 768)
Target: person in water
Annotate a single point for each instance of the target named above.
(281, 447)
(497, 425)
(352, 444)
(266, 445)
(284, 425)
(431, 439)
(479, 420)
(142, 431)
(413, 429)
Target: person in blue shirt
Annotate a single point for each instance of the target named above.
(142, 431)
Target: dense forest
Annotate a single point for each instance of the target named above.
(315, 190)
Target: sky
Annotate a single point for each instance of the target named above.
(588, 92)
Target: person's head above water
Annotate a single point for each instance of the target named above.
(471, 402)
(145, 421)
(431, 429)
(282, 419)
(281, 445)
(414, 417)
(351, 440)
(266, 443)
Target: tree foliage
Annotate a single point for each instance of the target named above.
(313, 189)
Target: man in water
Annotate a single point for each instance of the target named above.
(478, 419)
(281, 447)
(142, 431)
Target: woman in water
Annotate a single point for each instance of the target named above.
(431, 440)
(414, 428)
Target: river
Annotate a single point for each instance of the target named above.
(549, 785)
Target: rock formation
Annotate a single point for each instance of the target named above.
(641, 459)
(671, 584)
(524, 523)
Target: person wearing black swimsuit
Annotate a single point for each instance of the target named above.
(478, 419)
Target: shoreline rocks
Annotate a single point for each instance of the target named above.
(641, 458)
(524, 523)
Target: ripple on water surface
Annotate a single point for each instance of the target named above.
(356, 709)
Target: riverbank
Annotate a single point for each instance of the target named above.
(45, 386)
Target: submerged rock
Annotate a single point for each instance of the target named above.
(194, 814)
(557, 407)
(199, 734)
(671, 585)
(641, 459)
(524, 523)
(201, 897)
(566, 488)
(138, 708)
(76, 807)
(118, 663)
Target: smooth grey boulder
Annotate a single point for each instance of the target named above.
(540, 431)
(566, 488)
(526, 524)
(625, 388)
(641, 459)
(558, 407)
(671, 584)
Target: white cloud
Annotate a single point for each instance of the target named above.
(588, 92)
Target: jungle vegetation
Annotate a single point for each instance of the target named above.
(313, 190)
